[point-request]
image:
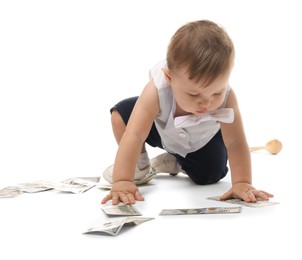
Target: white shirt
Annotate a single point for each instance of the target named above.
(182, 140)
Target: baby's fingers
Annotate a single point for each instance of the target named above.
(227, 195)
(138, 196)
(248, 196)
(124, 197)
(253, 195)
(263, 194)
(107, 198)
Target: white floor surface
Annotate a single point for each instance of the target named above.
(49, 225)
(64, 63)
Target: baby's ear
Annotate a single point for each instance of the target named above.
(167, 74)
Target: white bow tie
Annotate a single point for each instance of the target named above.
(225, 115)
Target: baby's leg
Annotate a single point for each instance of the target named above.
(119, 127)
(120, 114)
(207, 165)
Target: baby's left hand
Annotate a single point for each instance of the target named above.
(245, 192)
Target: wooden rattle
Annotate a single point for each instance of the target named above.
(273, 146)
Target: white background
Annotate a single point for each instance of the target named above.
(63, 64)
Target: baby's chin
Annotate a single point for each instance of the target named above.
(199, 113)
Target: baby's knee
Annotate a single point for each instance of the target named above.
(199, 181)
(116, 120)
(206, 179)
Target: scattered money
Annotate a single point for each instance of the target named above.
(193, 211)
(10, 192)
(37, 186)
(114, 227)
(95, 179)
(103, 184)
(258, 204)
(146, 179)
(121, 210)
(75, 185)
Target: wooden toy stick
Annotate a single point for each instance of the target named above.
(273, 146)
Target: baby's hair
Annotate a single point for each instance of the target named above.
(203, 48)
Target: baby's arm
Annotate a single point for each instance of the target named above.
(239, 158)
(130, 147)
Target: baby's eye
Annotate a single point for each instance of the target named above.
(193, 95)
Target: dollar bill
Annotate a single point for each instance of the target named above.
(75, 185)
(36, 186)
(10, 192)
(114, 227)
(258, 204)
(193, 211)
(103, 184)
(95, 179)
(121, 210)
(146, 179)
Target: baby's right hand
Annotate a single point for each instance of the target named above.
(123, 191)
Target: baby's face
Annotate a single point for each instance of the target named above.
(194, 98)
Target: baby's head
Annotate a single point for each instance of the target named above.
(203, 48)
